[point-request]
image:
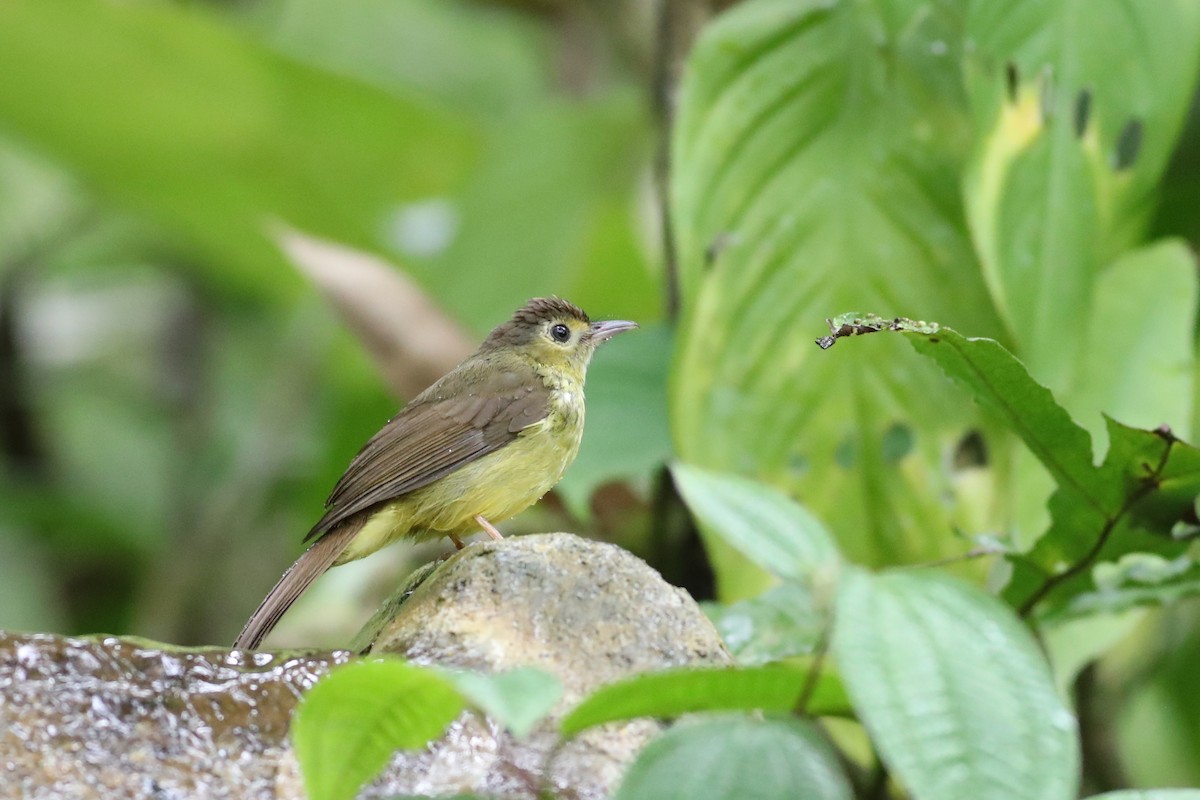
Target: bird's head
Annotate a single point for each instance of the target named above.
(555, 333)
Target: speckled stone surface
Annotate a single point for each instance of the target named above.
(108, 717)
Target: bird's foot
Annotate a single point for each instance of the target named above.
(488, 527)
(458, 543)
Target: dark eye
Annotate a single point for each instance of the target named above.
(560, 333)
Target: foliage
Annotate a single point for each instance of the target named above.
(176, 402)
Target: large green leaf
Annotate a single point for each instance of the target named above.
(672, 693)
(953, 690)
(816, 165)
(736, 759)
(1078, 45)
(760, 522)
(1143, 319)
(166, 110)
(1048, 196)
(349, 724)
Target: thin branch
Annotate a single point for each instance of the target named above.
(814, 674)
(1149, 484)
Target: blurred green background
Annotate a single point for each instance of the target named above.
(236, 234)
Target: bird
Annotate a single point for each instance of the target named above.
(483, 443)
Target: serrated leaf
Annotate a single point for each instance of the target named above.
(672, 693)
(517, 699)
(953, 689)
(761, 522)
(1147, 483)
(736, 759)
(1000, 383)
(351, 722)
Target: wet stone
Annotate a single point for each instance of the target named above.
(103, 717)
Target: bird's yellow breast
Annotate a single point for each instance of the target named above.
(497, 486)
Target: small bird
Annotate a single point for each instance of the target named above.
(482, 444)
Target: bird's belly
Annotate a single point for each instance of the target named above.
(497, 486)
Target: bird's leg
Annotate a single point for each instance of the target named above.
(488, 527)
(458, 543)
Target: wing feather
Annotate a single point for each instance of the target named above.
(430, 439)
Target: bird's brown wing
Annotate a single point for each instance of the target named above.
(432, 438)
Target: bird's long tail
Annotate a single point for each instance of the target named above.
(308, 567)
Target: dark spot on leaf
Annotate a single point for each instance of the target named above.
(897, 442)
(1083, 112)
(847, 453)
(1012, 80)
(934, 339)
(1129, 143)
(971, 451)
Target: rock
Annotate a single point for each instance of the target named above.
(586, 612)
(108, 717)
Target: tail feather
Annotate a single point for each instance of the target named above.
(308, 567)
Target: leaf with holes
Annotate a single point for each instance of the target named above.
(953, 689)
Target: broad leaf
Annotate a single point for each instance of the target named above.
(517, 699)
(672, 693)
(953, 690)
(1143, 319)
(737, 759)
(816, 163)
(349, 724)
(759, 521)
(1074, 45)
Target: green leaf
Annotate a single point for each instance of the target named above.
(1074, 44)
(1143, 319)
(761, 522)
(1147, 484)
(953, 689)
(349, 724)
(816, 165)
(517, 699)
(781, 622)
(736, 759)
(1149, 794)
(672, 693)
(1000, 383)
(168, 111)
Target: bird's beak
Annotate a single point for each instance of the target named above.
(603, 331)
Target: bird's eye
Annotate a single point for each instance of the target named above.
(560, 332)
